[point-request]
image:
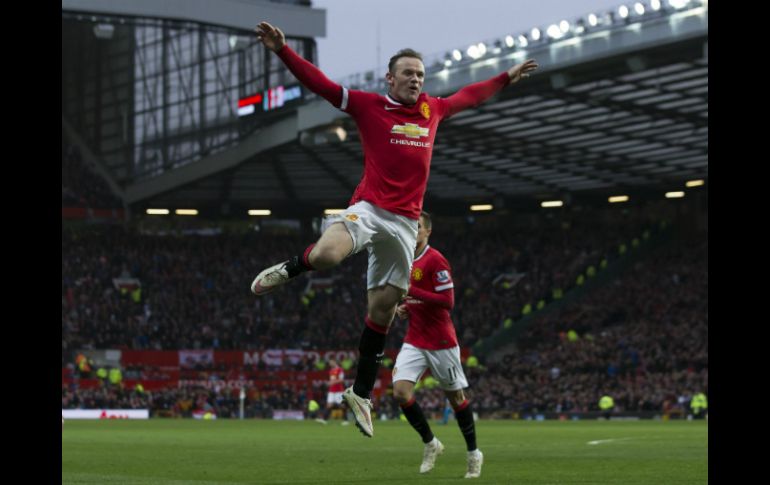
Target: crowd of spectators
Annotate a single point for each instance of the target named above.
(643, 338)
(194, 289)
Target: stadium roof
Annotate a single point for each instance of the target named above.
(620, 110)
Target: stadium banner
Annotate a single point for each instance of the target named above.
(191, 359)
(105, 413)
(218, 385)
(281, 414)
(280, 357)
(157, 358)
(270, 357)
(235, 385)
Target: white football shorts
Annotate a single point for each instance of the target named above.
(389, 238)
(444, 365)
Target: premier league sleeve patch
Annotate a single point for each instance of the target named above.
(443, 276)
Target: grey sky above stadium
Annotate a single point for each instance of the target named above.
(430, 26)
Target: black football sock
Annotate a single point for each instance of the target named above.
(464, 417)
(371, 349)
(416, 418)
(300, 264)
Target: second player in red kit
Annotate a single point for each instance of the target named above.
(431, 343)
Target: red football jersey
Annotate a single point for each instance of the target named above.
(397, 139)
(398, 144)
(338, 374)
(430, 325)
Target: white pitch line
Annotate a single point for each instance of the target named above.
(597, 442)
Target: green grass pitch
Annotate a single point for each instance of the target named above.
(166, 451)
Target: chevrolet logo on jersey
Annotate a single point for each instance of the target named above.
(411, 130)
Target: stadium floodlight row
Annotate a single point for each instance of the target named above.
(562, 31)
(620, 16)
(474, 207)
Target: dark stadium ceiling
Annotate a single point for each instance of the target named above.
(634, 124)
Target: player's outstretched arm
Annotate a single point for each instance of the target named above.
(474, 94)
(308, 74)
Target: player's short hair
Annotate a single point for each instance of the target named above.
(403, 53)
(428, 222)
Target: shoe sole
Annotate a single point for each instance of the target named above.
(361, 429)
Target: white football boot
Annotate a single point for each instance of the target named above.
(361, 411)
(475, 460)
(429, 455)
(270, 279)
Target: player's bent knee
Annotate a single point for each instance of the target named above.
(381, 308)
(382, 319)
(402, 394)
(455, 397)
(402, 399)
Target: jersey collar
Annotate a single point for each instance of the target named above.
(390, 99)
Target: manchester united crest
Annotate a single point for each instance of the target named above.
(417, 274)
(425, 110)
(351, 217)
